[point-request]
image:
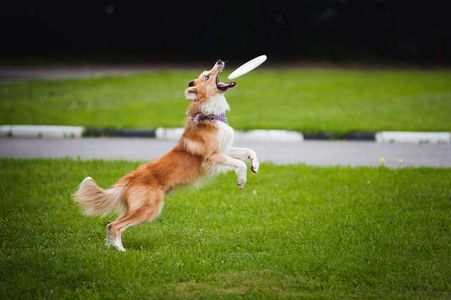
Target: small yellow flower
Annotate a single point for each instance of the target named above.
(382, 160)
(400, 160)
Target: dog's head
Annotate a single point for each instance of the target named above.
(207, 85)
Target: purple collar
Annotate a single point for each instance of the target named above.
(221, 117)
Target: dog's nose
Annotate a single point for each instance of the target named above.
(220, 62)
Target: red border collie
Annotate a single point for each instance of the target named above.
(205, 149)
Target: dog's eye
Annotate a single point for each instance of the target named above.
(207, 77)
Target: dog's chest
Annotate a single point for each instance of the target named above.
(225, 136)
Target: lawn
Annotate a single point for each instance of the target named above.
(294, 231)
(306, 100)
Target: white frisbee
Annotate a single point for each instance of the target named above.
(247, 67)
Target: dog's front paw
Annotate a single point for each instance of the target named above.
(241, 183)
(255, 165)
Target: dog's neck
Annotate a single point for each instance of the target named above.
(217, 105)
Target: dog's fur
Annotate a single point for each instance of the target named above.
(204, 149)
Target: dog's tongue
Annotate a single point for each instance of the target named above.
(224, 85)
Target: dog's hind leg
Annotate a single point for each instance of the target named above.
(109, 235)
(109, 232)
(149, 209)
(140, 216)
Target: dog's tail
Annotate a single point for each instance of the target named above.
(95, 200)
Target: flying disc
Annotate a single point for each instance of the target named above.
(247, 67)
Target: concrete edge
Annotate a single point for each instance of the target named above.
(410, 137)
(174, 134)
(41, 131)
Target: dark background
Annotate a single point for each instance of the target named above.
(333, 30)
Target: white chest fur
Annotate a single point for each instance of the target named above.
(225, 136)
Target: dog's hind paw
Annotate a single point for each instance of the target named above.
(119, 248)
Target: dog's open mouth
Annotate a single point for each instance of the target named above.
(224, 86)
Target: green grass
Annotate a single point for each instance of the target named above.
(304, 100)
(294, 231)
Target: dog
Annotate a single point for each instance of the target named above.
(205, 149)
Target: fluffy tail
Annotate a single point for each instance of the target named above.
(95, 200)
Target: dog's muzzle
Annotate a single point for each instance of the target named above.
(221, 85)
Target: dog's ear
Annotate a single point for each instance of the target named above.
(191, 94)
(191, 83)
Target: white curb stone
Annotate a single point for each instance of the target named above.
(169, 134)
(269, 135)
(413, 137)
(35, 131)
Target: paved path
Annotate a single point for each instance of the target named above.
(22, 73)
(320, 153)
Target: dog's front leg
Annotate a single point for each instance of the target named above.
(247, 155)
(223, 163)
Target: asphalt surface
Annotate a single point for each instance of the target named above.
(22, 73)
(318, 153)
